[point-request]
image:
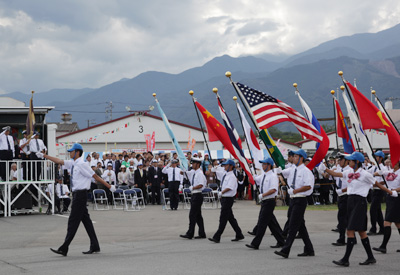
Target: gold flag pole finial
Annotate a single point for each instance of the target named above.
(33, 92)
(340, 73)
(228, 74)
(215, 90)
(235, 98)
(191, 92)
(154, 95)
(373, 92)
(333, 92)
(342, 88)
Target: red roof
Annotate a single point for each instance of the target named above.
(130, 115)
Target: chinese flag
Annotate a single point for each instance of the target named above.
(372, 118)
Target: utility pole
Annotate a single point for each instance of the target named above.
(90, 122)
(109, 108)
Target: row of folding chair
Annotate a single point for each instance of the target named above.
(127, 200)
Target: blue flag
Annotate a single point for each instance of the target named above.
(183, 160)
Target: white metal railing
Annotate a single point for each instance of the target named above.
(36, 173)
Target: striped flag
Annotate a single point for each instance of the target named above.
(233, 138)
(343, 130)
(272, 148)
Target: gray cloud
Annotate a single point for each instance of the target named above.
(74, 44)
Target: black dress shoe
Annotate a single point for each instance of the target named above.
(91, 251)
(213, 240)
(305, 254)
(398, 250)
(282, 254)
(368, 261)
(371, 233)
(380, 249)
(252, 246)
(238, 239)
(339, 244)
(335, 230)
(59, 252)
(186, 236)
(278, 245)
(251, 233)
(200, 237)
(341, 263)
(380, 232)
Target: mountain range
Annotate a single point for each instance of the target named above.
(373, 59)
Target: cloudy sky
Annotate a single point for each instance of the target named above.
(90, 43)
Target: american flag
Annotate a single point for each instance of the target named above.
(269, 111)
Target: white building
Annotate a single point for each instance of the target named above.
(129, 132)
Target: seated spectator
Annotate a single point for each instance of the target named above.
(109, 175)
(123, 176)
(210, 175)
(62, 192)
(126, 161)
(131, 176)
(13, 172)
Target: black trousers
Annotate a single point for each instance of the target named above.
(79, 213)
(375, 210)
(5, 155)
(195, 216)
(342, 217)
(66, 203)
(289, 213)
(173, 190)
(266, 218)
(297, 224)
(36, 166)
(227, 216)
(155, 193)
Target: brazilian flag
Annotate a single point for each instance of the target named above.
(272, 148)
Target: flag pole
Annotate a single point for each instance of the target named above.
(201, 125)
(383, 108)
(246, 107)
(355, 109)
(354, 126)
(335, 117)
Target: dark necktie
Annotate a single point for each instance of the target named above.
(340, 181)
(262, 184)
(294, 179)
(173, 174)
(8, 144)
(61, 191)
(194, 174)
(222, 181)
(37, 145)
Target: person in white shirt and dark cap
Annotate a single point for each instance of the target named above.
(300, 184)
(197, 183)
(37, 148)
(392, 214)
(7, 150)
(375, 210)
(174, 181)
(228, 192)
(268, 183)
(81, 175)
(359, 182)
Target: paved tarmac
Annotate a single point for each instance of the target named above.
(147, 242)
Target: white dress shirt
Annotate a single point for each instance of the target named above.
(374, 169)
(123, 177)
(268, 181)
(111, 178)
(304, 177)
(4, 144)
(196, 178)
(33, 146)
(170, 172)
(26, 148)
(393, 184)
(341, 181)
(361, 185)
(64, 193)
(81, 174)
(229, 181)
(219, 172)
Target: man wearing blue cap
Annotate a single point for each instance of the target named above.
(269, 184)
(81, 175)
(375, 210)
(301, 184)
(227, 194)
(359, 182)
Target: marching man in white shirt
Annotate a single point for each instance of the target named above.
(269, 185)
(227, 194)
(81, 175)
(300, 184)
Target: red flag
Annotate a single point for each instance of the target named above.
(372, 118)
(343, 131)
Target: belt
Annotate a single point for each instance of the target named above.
(376, 188)
(298, 196)
(267, 199)
(344, 193)
(196, 192)
(80, 191)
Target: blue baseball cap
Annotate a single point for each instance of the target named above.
(228, 162)
(76, 146)
(267, 160)
(356, 156)
(379, 154)
(301, 153)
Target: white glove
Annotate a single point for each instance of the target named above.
(394, 194)
(260, 197)
(278, 170)
(219, 194)
(290, 191)
(180, 187)
(39, 155)
(339, 191)
(380, 172)
(190, 188)
(112, 188)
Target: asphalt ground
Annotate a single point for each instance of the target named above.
(148, 242)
